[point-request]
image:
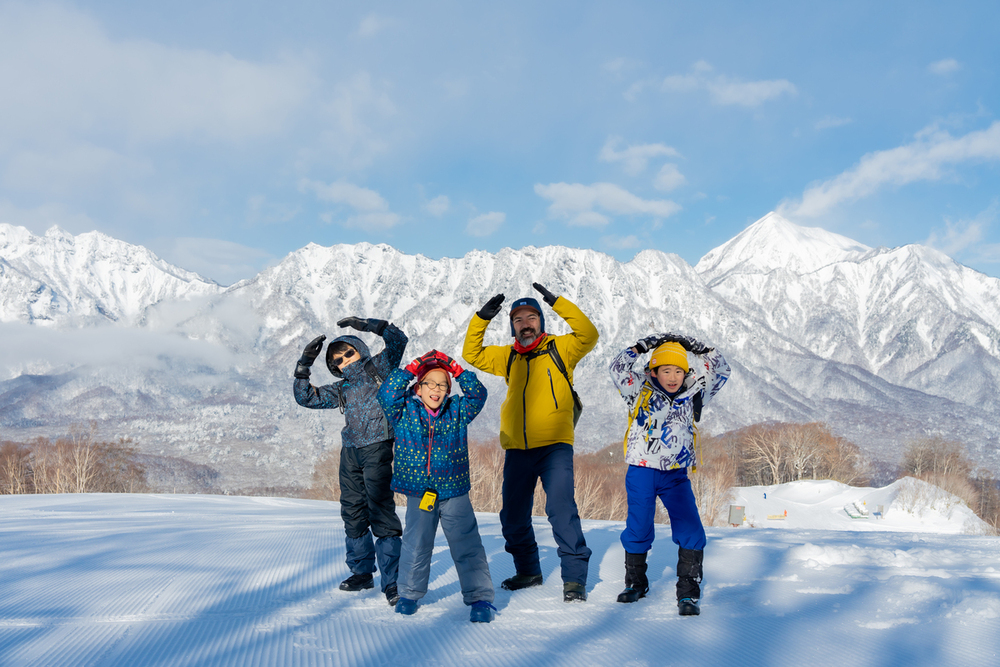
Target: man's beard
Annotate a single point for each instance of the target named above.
(527, 336)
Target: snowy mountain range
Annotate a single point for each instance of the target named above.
(882, 344)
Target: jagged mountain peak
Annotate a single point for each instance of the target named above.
(59, 278)
(776, 243)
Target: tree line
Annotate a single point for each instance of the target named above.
(77, 463)
(757, 455)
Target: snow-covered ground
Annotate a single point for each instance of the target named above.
(210, 580)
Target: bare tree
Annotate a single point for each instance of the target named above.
(15, 468)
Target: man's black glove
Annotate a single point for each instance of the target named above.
(650, 343)
(547, 296)
(309, 355)
(370, 324)
(688, 343)
(492, 307)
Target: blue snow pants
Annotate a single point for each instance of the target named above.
(673, 488)
(553, 465)
(462, 532)
(367, 507)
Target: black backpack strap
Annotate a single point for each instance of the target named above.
(553, 352)
(373, 372)
(510, 362)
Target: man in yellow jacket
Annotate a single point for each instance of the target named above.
(536, 431)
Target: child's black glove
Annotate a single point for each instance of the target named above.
(370, 324)
(309, 354)
(492, 307)
(688, 343)
(650, 343)
(547, 296)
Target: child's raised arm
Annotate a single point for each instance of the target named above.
(473, 394)
(395, 341)
(627, 380)
(306, 395)
(715, 369)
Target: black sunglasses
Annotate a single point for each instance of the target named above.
(339, 358)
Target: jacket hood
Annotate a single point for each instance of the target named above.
(354, 342)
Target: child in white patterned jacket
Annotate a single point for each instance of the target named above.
(660, 445)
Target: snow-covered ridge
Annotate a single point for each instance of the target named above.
(882, 344)
(61, 279)
(775, 243)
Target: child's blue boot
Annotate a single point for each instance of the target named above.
(482, 612)
(406, 606)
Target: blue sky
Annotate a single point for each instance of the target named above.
(224, 135)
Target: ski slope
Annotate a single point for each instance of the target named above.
(147, 580)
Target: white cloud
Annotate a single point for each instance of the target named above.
(73, 169)
(614, 65)
(827, 122)
(39, 219)
(946, 66)
(371, 210)
(438, 206)
(61, 74)
(261, 211)
(352, 136)
(925, 159)
(621, 242)
(485, 224)
(963, 234)
(371, 25)
(576, 203)
(634, 159)
(669, 178)
(727, 91)
(224, 262)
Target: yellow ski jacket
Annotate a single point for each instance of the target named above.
(538, 410)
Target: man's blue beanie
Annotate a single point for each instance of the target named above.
(530, 303)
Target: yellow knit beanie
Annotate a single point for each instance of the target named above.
(672, 354)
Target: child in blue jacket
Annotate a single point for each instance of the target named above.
(432, 471)
(664, 403)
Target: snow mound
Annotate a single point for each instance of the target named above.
(907, 504)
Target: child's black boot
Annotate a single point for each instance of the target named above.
(636, 583)
(357, 582)
(519, 581)
(689, 574)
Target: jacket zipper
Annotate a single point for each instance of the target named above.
(552, 387)
(524, 401)
(430, 446)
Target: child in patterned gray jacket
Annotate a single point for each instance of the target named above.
(366, 503)
(660, 445)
